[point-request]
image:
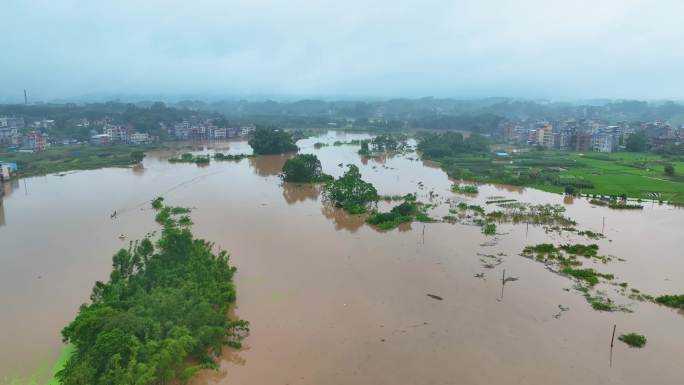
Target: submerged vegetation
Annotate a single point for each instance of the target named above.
(633, 340)
(220, 156)
(350, 192)
(489, 229)
(161, 317)
(406, 212)
(267, 141)
(304, 168)
(673, 301)
(189, 158)
(464, 188)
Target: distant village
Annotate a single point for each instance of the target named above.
(18, 135)
(587, 135)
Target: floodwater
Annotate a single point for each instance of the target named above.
(330, 299)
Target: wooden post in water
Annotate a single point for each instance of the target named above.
(603, 228)
(423, 234)
(612, 339)
(503, 282)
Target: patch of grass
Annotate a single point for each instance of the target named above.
(673, 301)
(589, 275)
(189, 158)
(633, 340)
(75, 157)
(637, 175)
(489, 229)
(464, 189)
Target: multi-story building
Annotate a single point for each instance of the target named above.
(603, 142)
(34, 141)
(139, 138)
(9, 130)
(117, 133)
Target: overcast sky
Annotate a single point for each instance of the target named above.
(561, 49)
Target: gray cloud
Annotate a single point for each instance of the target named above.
(380, 48)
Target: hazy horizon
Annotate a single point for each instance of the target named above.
(207, 49)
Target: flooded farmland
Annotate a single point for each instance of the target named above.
(330, 299)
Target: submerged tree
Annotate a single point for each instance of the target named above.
(303, 168)
(272, 141)
(161, 317)
(350, 192)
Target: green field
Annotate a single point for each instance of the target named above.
(74, 157)
(637, 175)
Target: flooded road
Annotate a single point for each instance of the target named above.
(330, 299)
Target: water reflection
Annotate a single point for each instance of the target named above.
(342, 219)
(138, 169)
(268, 165)
(568, 199)
(299, 192)
(2, 213)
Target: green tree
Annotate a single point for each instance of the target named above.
(669, 170)
(303, 168)
(350, 192)
(637, 142)
(137, 156)
(272, 141)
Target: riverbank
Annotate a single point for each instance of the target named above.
(75, 157)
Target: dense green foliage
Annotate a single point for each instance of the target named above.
(437, 146)
(272, 141)
(162, 316)
(350, 192)
(304, 168)
(489, 229)
(633, 340)
(637, 142)
(405, 212)
(464, 188)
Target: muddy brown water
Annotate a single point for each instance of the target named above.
(330, 299)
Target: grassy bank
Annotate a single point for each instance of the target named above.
(67, 351)
(75, 157)
(636, 175)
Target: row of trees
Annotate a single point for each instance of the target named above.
(267, 140)
(436, 146)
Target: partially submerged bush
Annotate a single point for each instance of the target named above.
(272, 141)
(634, 340)
(489, 229)
(350, 192)
(674, 301)
(304, 168)
(465, 188)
